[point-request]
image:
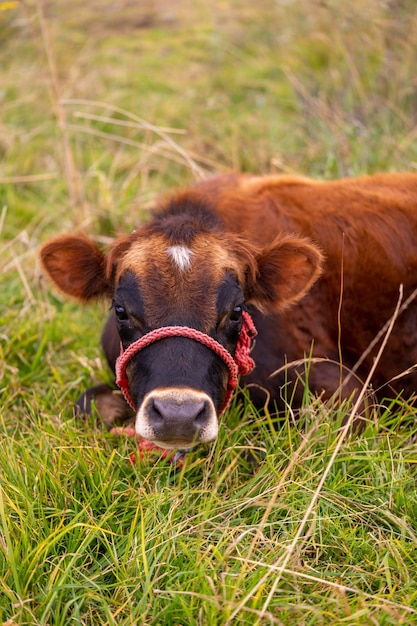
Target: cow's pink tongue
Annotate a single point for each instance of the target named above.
(144, 447)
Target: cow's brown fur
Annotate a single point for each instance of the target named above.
(367, 228)
(269, 239)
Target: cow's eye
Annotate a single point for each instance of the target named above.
(120, 312)
(236, 314)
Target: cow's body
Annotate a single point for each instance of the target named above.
(258, 240)
(367, 229)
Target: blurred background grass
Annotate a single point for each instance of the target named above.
(322, 88)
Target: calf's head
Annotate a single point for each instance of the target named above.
(181, 270)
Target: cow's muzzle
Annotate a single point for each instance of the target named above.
(177, 418)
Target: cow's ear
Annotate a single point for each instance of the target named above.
(286, 270)
(77, 267)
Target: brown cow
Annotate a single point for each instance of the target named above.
(241, 243)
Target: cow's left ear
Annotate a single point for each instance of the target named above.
(77, 267)
(286, 270)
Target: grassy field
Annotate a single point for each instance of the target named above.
(104, 106)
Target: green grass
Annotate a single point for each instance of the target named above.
(108, 106)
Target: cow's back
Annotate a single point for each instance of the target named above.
(261, 205)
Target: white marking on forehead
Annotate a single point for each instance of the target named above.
(181, 255)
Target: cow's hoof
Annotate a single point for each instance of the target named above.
(109, 403)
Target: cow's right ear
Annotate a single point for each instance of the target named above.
(77, 266)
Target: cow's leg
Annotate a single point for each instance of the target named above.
(110, 404)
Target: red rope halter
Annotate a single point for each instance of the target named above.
(241, 364)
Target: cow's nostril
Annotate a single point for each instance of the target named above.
(202, 416)
(156, 412)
